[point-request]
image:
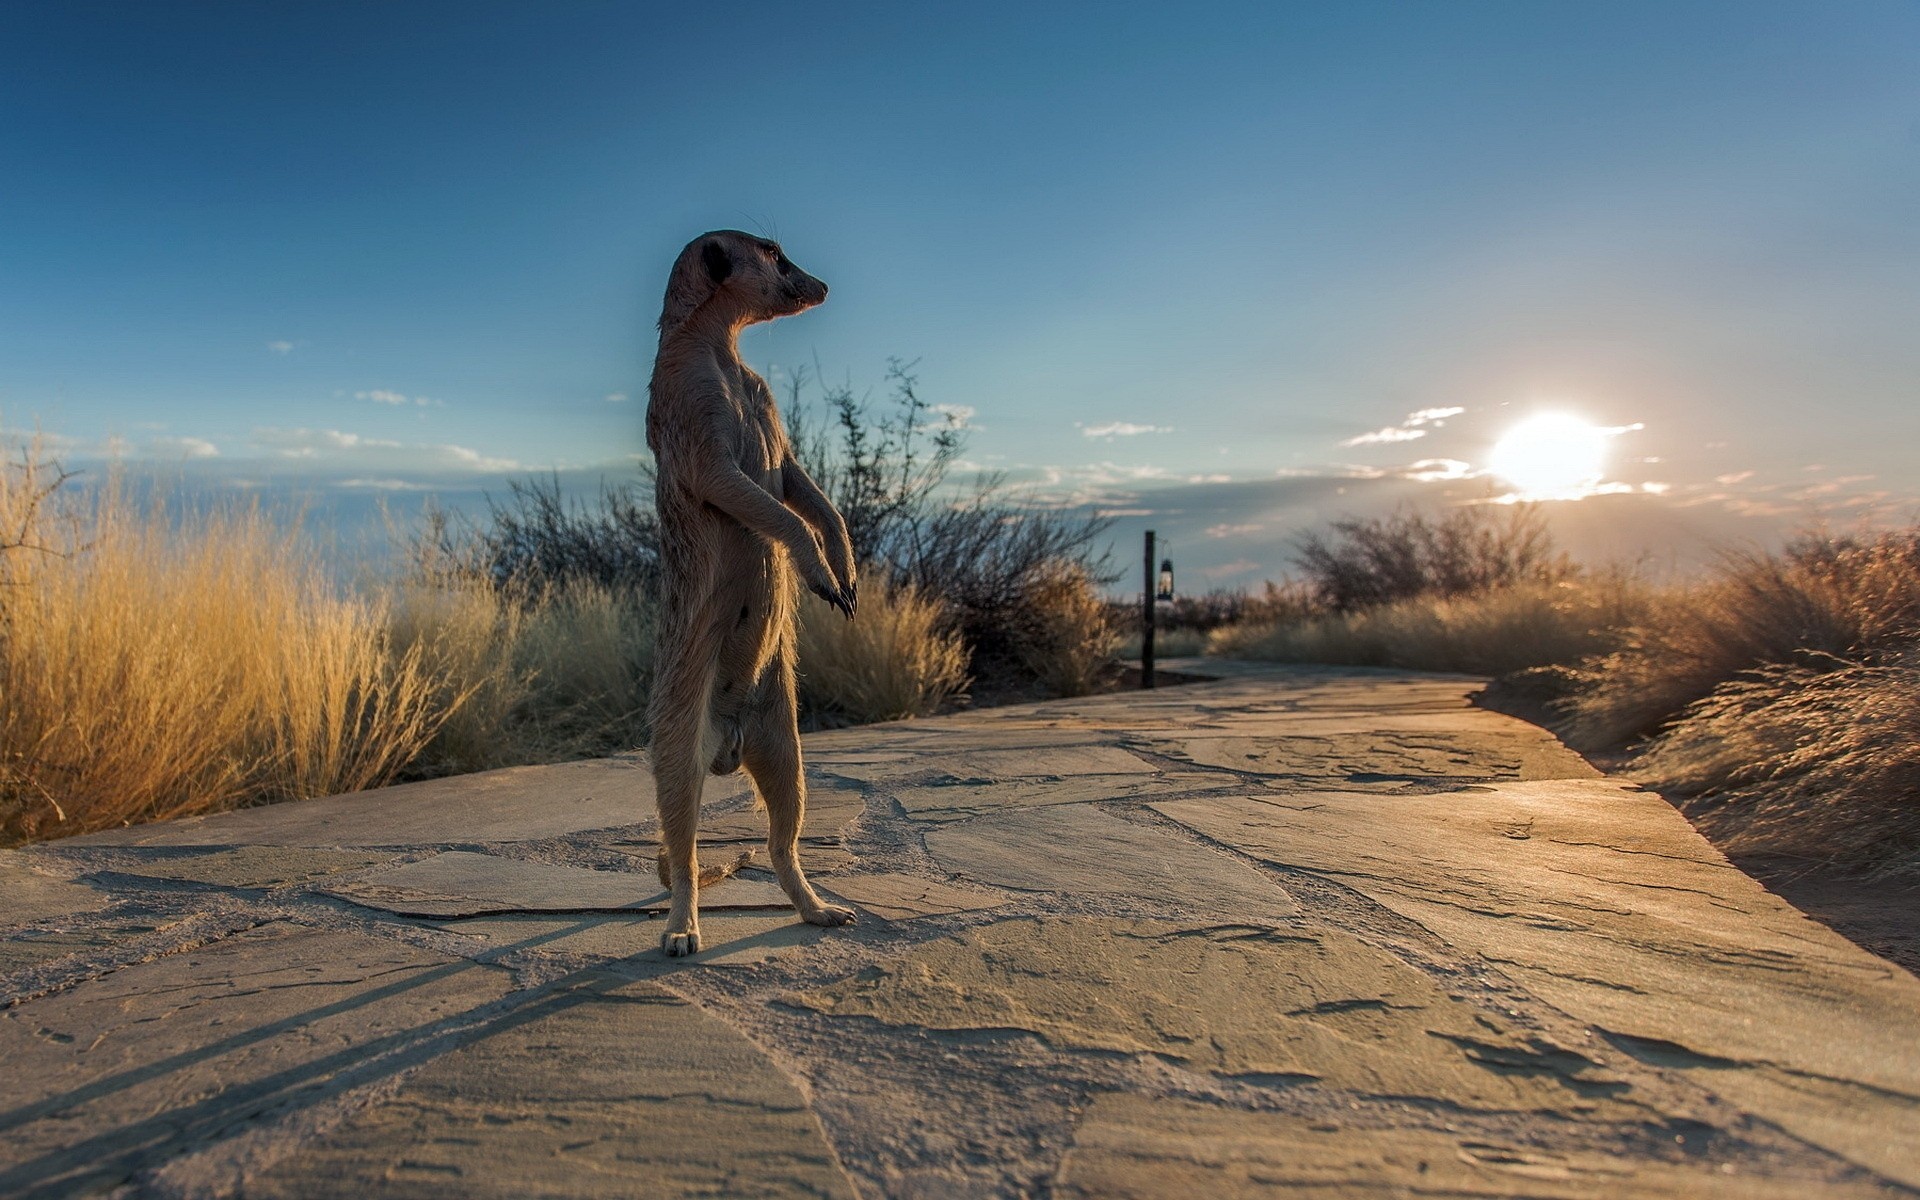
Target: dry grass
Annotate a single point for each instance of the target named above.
(529, 677)
(1063, 635)
(1167, 643)
(1823, 600)
(896, 659)
(1822, 763)
(155, 664)
(1487, 633)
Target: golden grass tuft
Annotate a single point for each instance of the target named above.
(1485, 633)
(529, 677)
(155, 664)
(895, 659)
(1065, 637)
(1816, 762)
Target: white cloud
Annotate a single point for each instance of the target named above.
(280, 347)
(375, 459)
(312, 443)
(1227, 531)
(960, 416)
(183, 447)
(1113, 429)
(616, 397)
(383, 396)
(1215, 477)
(1434, 470)
(1733, 478)
(1392, 433)
(1414, 426)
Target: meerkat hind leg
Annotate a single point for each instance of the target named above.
(771, 753)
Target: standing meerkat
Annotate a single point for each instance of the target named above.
(738, 519)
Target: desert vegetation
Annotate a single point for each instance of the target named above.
(159, 659)
(1776, 699)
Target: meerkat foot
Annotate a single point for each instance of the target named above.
(828, 915)
(679, 945)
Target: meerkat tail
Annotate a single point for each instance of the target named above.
(708, 875)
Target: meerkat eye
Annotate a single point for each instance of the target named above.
(780, 261)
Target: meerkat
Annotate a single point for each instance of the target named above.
(739, 518)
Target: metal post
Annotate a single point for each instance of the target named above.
(1146, 619)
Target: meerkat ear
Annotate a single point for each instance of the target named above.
(718, 263)
(698, 270)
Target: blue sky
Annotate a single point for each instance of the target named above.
(1175, 261)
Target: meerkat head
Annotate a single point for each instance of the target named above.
(751, 277)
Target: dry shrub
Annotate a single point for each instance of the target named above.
(895, 659)
(548, 675)
(1366, 563)
(1062, 633)
(1489, 633)
(1824, 599)
(156, 665)
(1816, 761)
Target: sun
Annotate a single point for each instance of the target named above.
(1551, 455)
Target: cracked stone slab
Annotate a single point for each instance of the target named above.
(901, 897)
(253, 866)
(460, 883)
(1140, 1148)
(1601, 900)
(987, 764)
(1238, 1000)
(822, 857)
(949, 797)
(508, 805)
(132, 1069)
(1080, 850)
(28, 894)
(29, 947)
(604, 1087)
(1392, 759)
(729, 938)
(828, 815)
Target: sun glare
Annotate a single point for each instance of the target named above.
(1551, 455)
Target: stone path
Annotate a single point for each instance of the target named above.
(1301, 932)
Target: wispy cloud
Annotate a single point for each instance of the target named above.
(616, 397)
(383, 396)
(337, 448)
(1114, 429)
(1227, 531)
(1435, 470)
(960, 416)
(1416, 425)
(281, 347)
(182, 447)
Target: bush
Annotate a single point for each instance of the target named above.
(547, 676)
(1366, 563)
(894, 661)
(1824, 600)
(157, 664)
(1063, 636)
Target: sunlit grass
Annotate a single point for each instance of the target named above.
(155, 664)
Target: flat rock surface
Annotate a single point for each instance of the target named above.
(460, 883)
(1302, 932)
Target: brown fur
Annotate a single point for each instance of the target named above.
(738, 519)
